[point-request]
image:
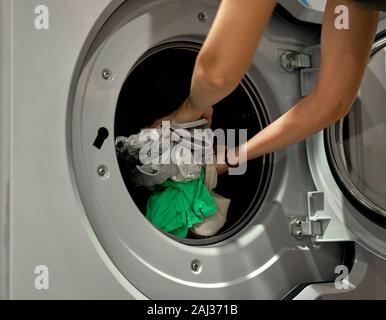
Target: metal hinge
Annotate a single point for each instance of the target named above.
(307, 62)
(301, 228)
(315, 223)
(292, 60)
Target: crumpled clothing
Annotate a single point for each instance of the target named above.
(176, 206)
(212, 224)
(166, 154)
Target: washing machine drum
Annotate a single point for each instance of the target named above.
(155, 87)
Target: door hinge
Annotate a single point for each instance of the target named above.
(315, 223)
(293, 60)
(302, 228)
(307, 62)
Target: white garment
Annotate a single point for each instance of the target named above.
(211, 225)
(174, 156)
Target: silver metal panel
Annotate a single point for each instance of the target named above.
(48, 225)
(305, 10)
(5, 97)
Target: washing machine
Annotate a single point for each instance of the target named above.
(307, 222)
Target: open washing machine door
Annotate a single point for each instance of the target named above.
(346, 161)
(347, 164)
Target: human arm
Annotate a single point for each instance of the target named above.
(344, 57)
(225, 55)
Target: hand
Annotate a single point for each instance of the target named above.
(221, 153)
(221, 168)
(185, 113)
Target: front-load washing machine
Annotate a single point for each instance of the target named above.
(307, 222)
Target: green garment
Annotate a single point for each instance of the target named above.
(176, 206)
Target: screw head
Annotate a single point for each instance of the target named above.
(202, 17)
(196, 266)
(299, 233)
(102, 171)
(106, 74)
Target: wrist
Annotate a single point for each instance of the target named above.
(195, 107)
(185, 113)
(236, 156)
(188, 108)
(232, 157)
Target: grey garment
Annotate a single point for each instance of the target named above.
(150, 175)
(129, 147)
(212, 224)
(198, 124)
(167, 153)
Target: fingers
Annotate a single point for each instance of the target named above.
(221, 169)
(185, 113)
(158, 122)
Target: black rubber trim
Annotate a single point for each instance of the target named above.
(379, 36)
(348, 261)
(374, 4)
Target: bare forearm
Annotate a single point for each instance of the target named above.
(228, 49)
(344, 58)
(306, 118)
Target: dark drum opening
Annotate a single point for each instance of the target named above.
(155, 87)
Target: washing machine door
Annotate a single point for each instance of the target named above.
(347, 163)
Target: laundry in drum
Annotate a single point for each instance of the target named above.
(181, 183)
(175, 152)
(175, 207)
(212, 224)
(180, 207)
